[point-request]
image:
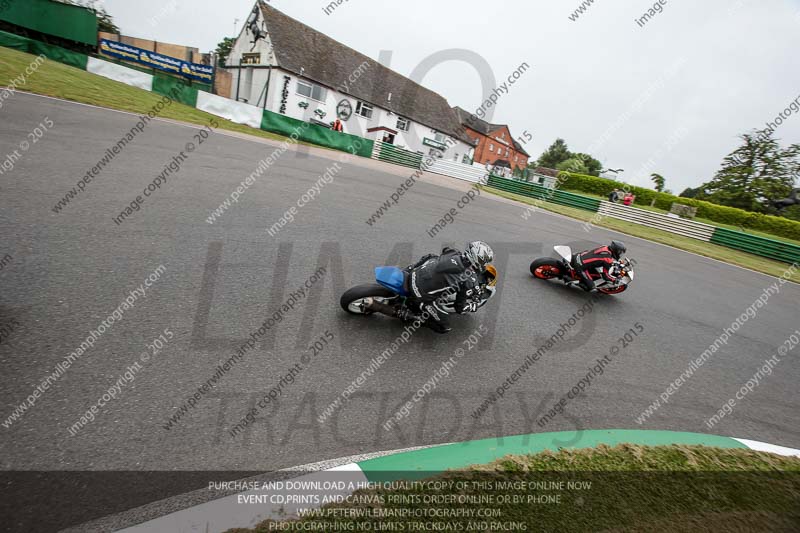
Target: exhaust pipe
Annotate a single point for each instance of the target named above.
(380, 307)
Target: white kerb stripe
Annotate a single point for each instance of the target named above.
(115, 72)
(228, 512)
(771, 448)
(226, 108)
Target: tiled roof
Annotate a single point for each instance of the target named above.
(483, 127)
(302, 49)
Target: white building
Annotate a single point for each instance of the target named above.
(284, 66)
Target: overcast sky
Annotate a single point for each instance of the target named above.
(676, 91)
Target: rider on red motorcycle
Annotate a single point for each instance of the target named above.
(602, 258)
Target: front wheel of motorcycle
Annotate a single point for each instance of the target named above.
(547, 268)
(615, 290)
(352, 301)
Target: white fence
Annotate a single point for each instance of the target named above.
(687, 228)
(453, 169)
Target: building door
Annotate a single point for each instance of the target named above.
(247, 86)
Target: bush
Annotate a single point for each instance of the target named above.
(782, 227)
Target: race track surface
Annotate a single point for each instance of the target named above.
(72, 269)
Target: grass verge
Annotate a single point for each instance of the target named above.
(624, 488)
(69, 83)
(714, 251)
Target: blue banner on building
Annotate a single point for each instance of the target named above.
(195, 71)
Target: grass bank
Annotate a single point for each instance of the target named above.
(714, 251)
(624, 488)
(62, 81)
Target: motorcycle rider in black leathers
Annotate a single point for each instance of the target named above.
(433, 277)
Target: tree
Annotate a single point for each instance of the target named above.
(754, 174)
(557, 153)
(659, 181)
(691, 193)
(792, 212)
(224, 50)
(593, 166)
(105, 22)
(574, 165)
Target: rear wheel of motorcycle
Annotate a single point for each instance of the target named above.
(617, 290)
(546, 268)
(352, 300)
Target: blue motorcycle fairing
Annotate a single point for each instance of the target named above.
(392, 278)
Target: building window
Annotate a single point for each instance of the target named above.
(312, 90)
(455, 157)
(507, 152)
(491, 147)
(251, 59)
(364, 110)
(440, 138)
(403, 124)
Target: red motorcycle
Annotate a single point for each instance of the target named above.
(550, 268)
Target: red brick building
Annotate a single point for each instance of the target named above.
(496, 146)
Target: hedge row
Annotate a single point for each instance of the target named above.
(782, 227)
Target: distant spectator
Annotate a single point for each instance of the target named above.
(613, 197)
(628, 199)
(338, 126)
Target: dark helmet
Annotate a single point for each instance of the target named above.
(617, 248)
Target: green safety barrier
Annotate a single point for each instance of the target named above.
(398, 156)
(52, 18)
(770, 248)
(52, 52)
(12, 40)
(312, 133)
(62, 55)
(540, 192)
(175, 89)
(166, 78)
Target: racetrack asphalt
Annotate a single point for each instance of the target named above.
(70, 270)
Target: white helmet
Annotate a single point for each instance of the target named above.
(479, 254)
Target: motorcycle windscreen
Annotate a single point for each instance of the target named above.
(392, 278)
(564, 251)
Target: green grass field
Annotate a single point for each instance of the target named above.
(735, 257)
(62, 81)
(625, 488)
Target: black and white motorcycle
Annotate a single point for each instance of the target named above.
(389, 295)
